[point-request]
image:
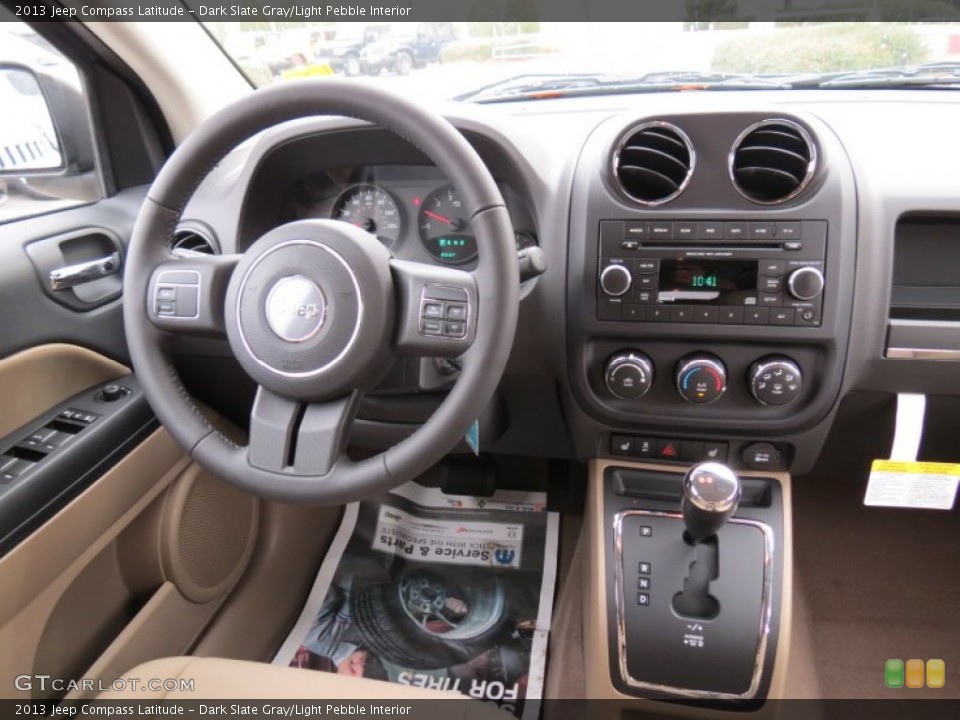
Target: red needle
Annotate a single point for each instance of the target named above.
(438, 218)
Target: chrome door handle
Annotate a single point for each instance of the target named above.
(67, 277)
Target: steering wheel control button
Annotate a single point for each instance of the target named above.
(762, 456)
(701, 378)
(431, 327)
(176, 294)
(456, 311)
(775, 381)
(629, 375)
(296, 309)
(432, 310)
(454, 329)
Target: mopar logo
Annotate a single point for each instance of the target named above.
(295, 309)
(504, 556)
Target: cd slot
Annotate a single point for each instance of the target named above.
(687, 247)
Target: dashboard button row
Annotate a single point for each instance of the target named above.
(710, 230)
(667, 449)
(708, 314)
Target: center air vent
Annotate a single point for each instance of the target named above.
(772, 161)
(191, 240)
(653, 163)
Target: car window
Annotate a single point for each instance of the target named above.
(497, 62)
(47, 161)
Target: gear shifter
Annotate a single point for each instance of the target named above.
(711, 493)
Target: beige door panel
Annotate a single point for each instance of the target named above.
(33, 381)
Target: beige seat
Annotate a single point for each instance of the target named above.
(219, 679)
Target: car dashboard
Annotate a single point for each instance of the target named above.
(722, 267)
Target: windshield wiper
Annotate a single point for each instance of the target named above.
(540, 87)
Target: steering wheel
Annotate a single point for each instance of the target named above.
(315, 311)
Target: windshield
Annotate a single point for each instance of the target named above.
(499, 62)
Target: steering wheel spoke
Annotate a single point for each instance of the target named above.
(436, 309)
(299, 438)
(187, 295)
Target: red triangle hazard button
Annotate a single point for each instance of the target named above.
(669, 450)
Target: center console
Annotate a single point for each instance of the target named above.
(709, 301)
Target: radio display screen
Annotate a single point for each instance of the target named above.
(708, 282)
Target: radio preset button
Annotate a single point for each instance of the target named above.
(706, 314)
(731, 315)
(710, 230)
(657, 313)
(661, 230)
(756, 316)
(762, 230)
(788, 230)
(734, 230)
(615, 280)
(681, 314)
(634, 313)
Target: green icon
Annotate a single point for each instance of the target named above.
(893, 673)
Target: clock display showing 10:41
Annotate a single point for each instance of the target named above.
(704, 281)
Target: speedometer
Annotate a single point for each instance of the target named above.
(444, 227)
(370, 208)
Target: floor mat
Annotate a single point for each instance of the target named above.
(878, 583)
(438, 591)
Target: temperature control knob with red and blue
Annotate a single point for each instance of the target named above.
(701, 378)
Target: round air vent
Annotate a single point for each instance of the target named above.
(653, 163)
(772, 161)
(192, 240)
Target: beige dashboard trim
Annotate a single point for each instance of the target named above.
(34, 380)
(595, 634)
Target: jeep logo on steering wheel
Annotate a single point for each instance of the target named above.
(295, 309)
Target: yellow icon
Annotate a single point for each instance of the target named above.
(914, 673)
(936, 673)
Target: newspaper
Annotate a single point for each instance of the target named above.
(437, 591)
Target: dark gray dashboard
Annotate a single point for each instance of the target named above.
(553, 162)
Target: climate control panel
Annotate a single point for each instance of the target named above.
(702, 378)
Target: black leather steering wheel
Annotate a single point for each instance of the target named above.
(315, 311)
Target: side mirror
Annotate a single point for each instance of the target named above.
(30, 143)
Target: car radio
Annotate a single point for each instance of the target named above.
(716, 272)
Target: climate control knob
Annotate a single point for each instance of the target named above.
(775, 381)
(615, 280)
(629, 374)
(805, 283)
(701, 378)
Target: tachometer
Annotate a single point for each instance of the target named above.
(444, 227)
(370, 208)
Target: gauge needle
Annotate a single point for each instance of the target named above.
(439, 218)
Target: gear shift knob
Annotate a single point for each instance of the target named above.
(711, 493)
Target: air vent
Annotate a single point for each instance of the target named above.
(653, 163)
(772, 161)
(189, 241)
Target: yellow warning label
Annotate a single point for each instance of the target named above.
(915, 468)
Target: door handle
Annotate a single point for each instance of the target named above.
(70, 275)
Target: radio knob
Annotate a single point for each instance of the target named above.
(701, 378)
(775, 381)
(615, 280)
(629, 374)
(805, 283)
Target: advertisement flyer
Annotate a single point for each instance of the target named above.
(436, 591)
